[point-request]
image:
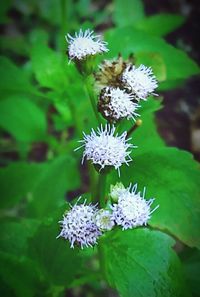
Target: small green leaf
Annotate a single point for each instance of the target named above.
(141, 263)
(127, 12)
(49, 67)
(160, 24)
(23, 119)
(13, 79)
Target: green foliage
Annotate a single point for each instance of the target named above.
(141, 263)
(13, 79)
(127, 12)
(152, 24)
(23, 119)
(175, 176)
(129, 40)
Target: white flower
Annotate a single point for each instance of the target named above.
(104, 220)
(84, 44)
(105, 149)
(79, 227)
(140, 81)
(116, 104)
(132, 209)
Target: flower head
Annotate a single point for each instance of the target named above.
(116, 104)
(110, 72)
(105, 149)
(104, 220)
(140, 81)
(79, 227)
(84, 44)
(132, 209)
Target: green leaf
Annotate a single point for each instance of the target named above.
(145, 136)
(160, 24)
(49, 67)
(130, 40)
(13, 79)
(17, 181)
(60, 175)
(19, 274)
(172, 177)
(191, 264)
(141, 262)
(14, 236)
(127, 12)
(58, 263)
(23, 119)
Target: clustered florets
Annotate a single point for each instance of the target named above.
(84, 44)
(122, 85)
(104, 148)
(116, 104)
(83, 224)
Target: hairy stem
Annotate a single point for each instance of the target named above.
(134, 127)
(102, 189)
(91, 95)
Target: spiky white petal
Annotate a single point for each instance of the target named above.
(104, 220)
(84, 44)
(79, 227)
(141, 81)
(106, 149)
(132, 210)
(121, 104)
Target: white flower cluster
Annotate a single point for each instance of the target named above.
(118, 104)
(83, 224)
(140, 81)
(131, 209)
(104, 148)
(84, 44)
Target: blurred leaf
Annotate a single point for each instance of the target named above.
(160, 24)
(15, 44)
(23, 119)
(172, 177)
(127, 12)
(155, 61)
(17, 180)
(19, 274)
(13, 79)
(5, 6)
(140, 263)
(49, 68)
(14, 236)
(57, 261)
(61, 175)
(130, 40)
(191, 262)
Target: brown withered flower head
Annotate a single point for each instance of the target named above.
(110, 72)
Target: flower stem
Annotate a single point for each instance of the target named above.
(102, 189)
(91, 96)
(134, 127)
